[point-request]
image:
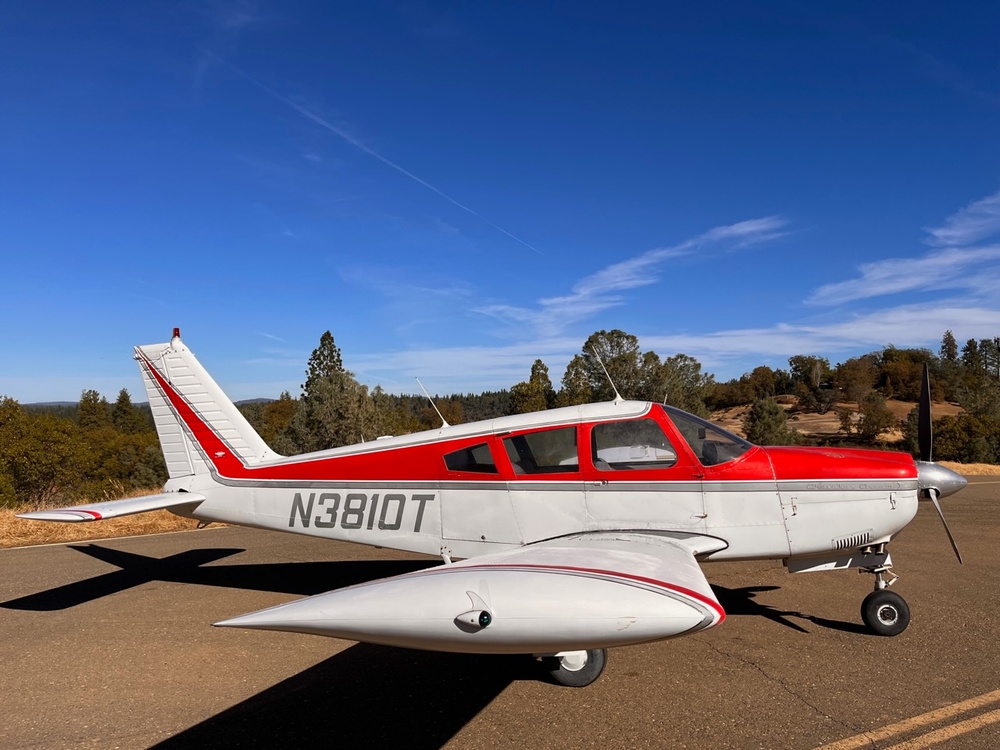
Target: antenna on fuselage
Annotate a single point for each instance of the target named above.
(618, 397)
(444, 422)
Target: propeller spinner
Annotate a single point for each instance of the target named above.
(935, 481)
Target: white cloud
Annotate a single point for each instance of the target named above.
(727, 353)
(976, 221)
(949, 268)
(599, 291)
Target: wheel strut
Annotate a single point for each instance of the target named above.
(884, 612)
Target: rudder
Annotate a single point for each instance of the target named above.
(173, 377)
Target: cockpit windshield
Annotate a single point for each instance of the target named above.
(710, 443)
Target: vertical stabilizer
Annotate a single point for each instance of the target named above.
(189, 408)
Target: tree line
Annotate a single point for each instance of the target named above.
(96, 450)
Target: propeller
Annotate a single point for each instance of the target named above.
(934, 479)
(925, 430)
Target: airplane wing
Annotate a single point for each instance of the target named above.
(114, 508)
(580, 592)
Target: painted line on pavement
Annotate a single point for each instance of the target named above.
(865, 739)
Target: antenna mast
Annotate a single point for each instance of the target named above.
(444, 422)
(618, 397)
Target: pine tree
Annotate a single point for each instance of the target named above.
(949, 347)
(767, 424)
(324, 361)
(93, 411)
(124, 416)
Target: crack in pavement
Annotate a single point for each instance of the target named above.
(783, 685)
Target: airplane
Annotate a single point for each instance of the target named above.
(561, 533)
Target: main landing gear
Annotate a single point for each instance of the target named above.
(884, 612)
(575, 668)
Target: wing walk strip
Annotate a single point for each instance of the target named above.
(866, 739)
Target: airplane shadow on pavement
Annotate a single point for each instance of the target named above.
(743, 601)
(191, 566)
(365, 696)
(308, 578)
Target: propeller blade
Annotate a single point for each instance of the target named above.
(925, 436)
(937, 507)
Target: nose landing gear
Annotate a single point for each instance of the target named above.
(884, 612)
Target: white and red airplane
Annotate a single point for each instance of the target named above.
(578, 528)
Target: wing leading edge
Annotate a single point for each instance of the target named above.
(115, 508)
(580, 592)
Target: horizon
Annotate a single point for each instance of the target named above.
(455, 192)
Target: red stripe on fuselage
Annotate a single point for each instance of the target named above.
(713, 604)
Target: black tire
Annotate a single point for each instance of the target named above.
(885, 613)
(596, 658)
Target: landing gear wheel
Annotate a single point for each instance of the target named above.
(576, 668)
(885, 612)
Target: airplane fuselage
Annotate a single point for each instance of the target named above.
(764, 503)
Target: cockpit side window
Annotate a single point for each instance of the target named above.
(631, 444)
(543, 452)
(710, 443)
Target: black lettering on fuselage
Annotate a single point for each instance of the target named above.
(356, 510)
(400, 501)
(422, 499)
(331, 510)
(304, 511)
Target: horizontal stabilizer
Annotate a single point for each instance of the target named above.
(115, 508)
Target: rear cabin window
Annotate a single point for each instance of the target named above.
(635, 444)
(543, 452)
(475, 458)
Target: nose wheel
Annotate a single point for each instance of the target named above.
(884, 612)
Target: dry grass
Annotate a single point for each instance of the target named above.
(972, 470)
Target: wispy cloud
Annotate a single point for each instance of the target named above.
(940, 269)
(955, 265)
(361, 146)
(727, 353)
(601, 290)
(903, 325)
(976, 221)
(234, 17)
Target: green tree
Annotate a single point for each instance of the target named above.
(93, 411)
(767, 424)
(875, 417)
(124, 416)
(535, 394)
(901, 372)
(622, 358)
(763, 382)
(856, 377)
(42, 457)
(810, 370)
(332, 408)
(324, 362)
(682, 384)
(971, 357)
(949, 347)
(575, 384)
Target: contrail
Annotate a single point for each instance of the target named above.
(359, 145)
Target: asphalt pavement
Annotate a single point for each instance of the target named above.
(110, 645)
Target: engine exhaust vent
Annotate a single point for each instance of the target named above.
(854, 540)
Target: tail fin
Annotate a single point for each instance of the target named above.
(198, 426)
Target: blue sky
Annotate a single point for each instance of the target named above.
(457, 189)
